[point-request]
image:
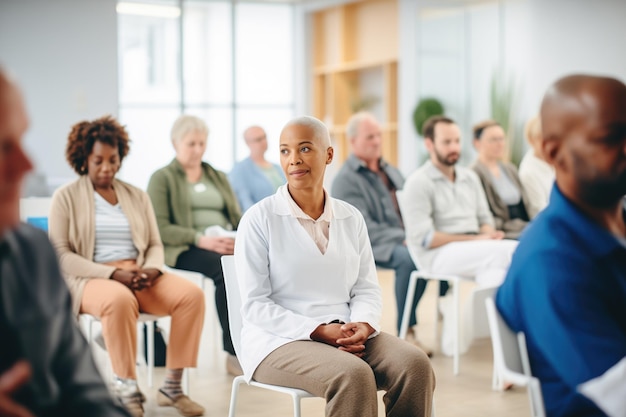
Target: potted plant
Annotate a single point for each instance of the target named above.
(426, 108)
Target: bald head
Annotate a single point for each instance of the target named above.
(319, 129)
(14, 163)
(583, 121)
(576, 99)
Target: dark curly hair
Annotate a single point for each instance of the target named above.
(85, 134)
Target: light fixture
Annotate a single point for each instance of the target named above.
(151, 10)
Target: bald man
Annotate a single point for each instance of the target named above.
(46, 368)
(254, 177)
(566, 288)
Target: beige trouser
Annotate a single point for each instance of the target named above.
(118, 308)
(349, 383)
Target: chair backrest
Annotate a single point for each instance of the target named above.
(35, 210)
(233, 298)
(412, 252)
(510, 357)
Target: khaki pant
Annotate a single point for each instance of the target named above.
(349, 383)
(118, 308)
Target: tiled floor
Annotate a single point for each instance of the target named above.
(468, 394)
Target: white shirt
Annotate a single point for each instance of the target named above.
(288, 287)
(537, 177)
(114, 240)
(316, 228)
(431, 202)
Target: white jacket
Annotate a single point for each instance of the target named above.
(288, 287)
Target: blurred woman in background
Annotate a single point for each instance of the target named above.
(504, 191)
(189, 196)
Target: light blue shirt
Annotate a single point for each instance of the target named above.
(251, 184)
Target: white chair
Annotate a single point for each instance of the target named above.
(234, 317)
(510, 359)
(410, 294)
(34, 208)
(455, 283)
(148, 320)
(192, 276)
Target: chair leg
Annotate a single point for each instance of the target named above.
(436, 323)
(408, 302)
(233, 396)
(495, 380)
(296, 405)
(457, 327)
(150, 344)
(90, 330)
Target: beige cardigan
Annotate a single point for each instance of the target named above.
(72, 232)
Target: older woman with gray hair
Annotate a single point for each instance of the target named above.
(188, 196)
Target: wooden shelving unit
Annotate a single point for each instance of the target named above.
(355, 67)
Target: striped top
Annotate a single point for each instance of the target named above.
(113, 238)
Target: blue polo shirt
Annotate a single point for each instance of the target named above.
(566, 290)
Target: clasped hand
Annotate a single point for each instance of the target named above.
(349, 337)
(137, 279)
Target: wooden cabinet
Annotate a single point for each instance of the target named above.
(355, 67)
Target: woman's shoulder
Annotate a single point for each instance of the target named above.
(210, 168)
(69, 188)
(342, 209)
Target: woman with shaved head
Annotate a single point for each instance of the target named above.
(311, 300)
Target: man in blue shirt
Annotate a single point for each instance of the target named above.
(566, 288)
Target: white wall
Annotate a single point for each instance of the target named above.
(457, 45)
(64, 56)
(573, 36)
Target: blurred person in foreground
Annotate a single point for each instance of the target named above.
(566, 288)
(111, 253)
(311, 300)
(46, 367)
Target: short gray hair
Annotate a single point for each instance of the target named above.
(185, 124)
(320, 131)
(352, 126)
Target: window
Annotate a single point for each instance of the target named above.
(230, 63)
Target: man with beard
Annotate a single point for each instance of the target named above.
(566, 289)
(449, 227)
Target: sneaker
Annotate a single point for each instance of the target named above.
(128, 393)
(232, 366)
(411, 337)
(183, 404)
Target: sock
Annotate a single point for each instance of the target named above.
(171, 386)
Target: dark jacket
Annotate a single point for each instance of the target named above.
(37, 325)
(357, 185)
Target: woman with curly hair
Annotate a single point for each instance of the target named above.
(111, 254)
